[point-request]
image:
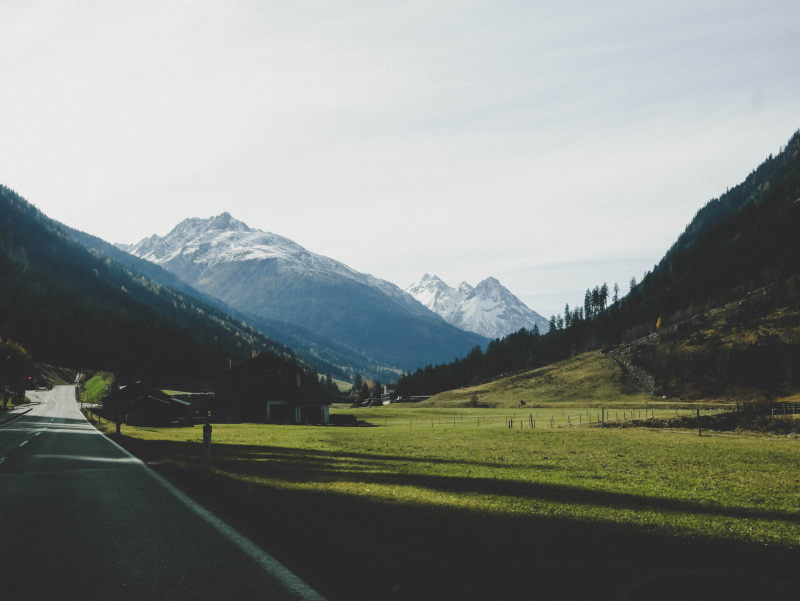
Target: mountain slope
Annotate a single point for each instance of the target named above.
(588, 379)
(74, 307)
(742, 247)
(273, 278)
(323, 354)
(488, 309)
(746, 238)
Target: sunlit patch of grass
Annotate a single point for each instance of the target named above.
(590, 379)
(96, 387)
(721, 486)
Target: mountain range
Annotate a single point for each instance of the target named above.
(324, 303)
(71, 303)
(488, 309)
(213, 291)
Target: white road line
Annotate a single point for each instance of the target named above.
(39, 432)
(23, 443)
(2, 459)
(263, 559)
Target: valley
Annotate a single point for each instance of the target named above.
(417, 301)
(635, 444)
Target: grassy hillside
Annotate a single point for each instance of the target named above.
(341, 385)
(590, 379)
(747, 350)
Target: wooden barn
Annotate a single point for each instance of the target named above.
(140, 405)
(269, 388)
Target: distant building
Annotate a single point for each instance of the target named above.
(269, 388)
(140, 405)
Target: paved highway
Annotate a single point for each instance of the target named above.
(82, 519)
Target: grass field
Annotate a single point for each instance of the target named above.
(428, 503)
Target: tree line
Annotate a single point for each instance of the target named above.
(17, 370)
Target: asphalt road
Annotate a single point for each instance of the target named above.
(82, 519)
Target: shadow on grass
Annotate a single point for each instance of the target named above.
(300, 465)
(362, 548)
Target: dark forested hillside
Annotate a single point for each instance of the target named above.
(277, 280)
(747, 239)
(318, 352)
(77, 308)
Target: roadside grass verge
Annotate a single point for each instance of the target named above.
(95, 388)
(461, 510)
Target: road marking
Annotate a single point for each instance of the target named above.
(23, 443)
(263, 559)
(2, 459)
(39, 432)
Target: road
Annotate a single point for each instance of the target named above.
(82, 519)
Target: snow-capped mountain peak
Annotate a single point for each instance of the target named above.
(201, 245)
(489, 308)
(435, 294)
(465, 290)
(340, 312)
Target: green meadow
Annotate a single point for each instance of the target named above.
(565, 509)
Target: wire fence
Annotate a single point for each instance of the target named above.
(542, 418)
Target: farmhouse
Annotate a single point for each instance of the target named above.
(140, 405)
(269, 388)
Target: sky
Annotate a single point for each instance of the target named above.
(552, 145)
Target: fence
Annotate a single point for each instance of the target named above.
(769, 409)
(547, 419)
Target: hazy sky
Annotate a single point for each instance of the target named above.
(553, 145)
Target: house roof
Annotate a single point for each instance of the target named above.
(164, 400)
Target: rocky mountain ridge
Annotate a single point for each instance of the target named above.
(274, 278)
(488, 309)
